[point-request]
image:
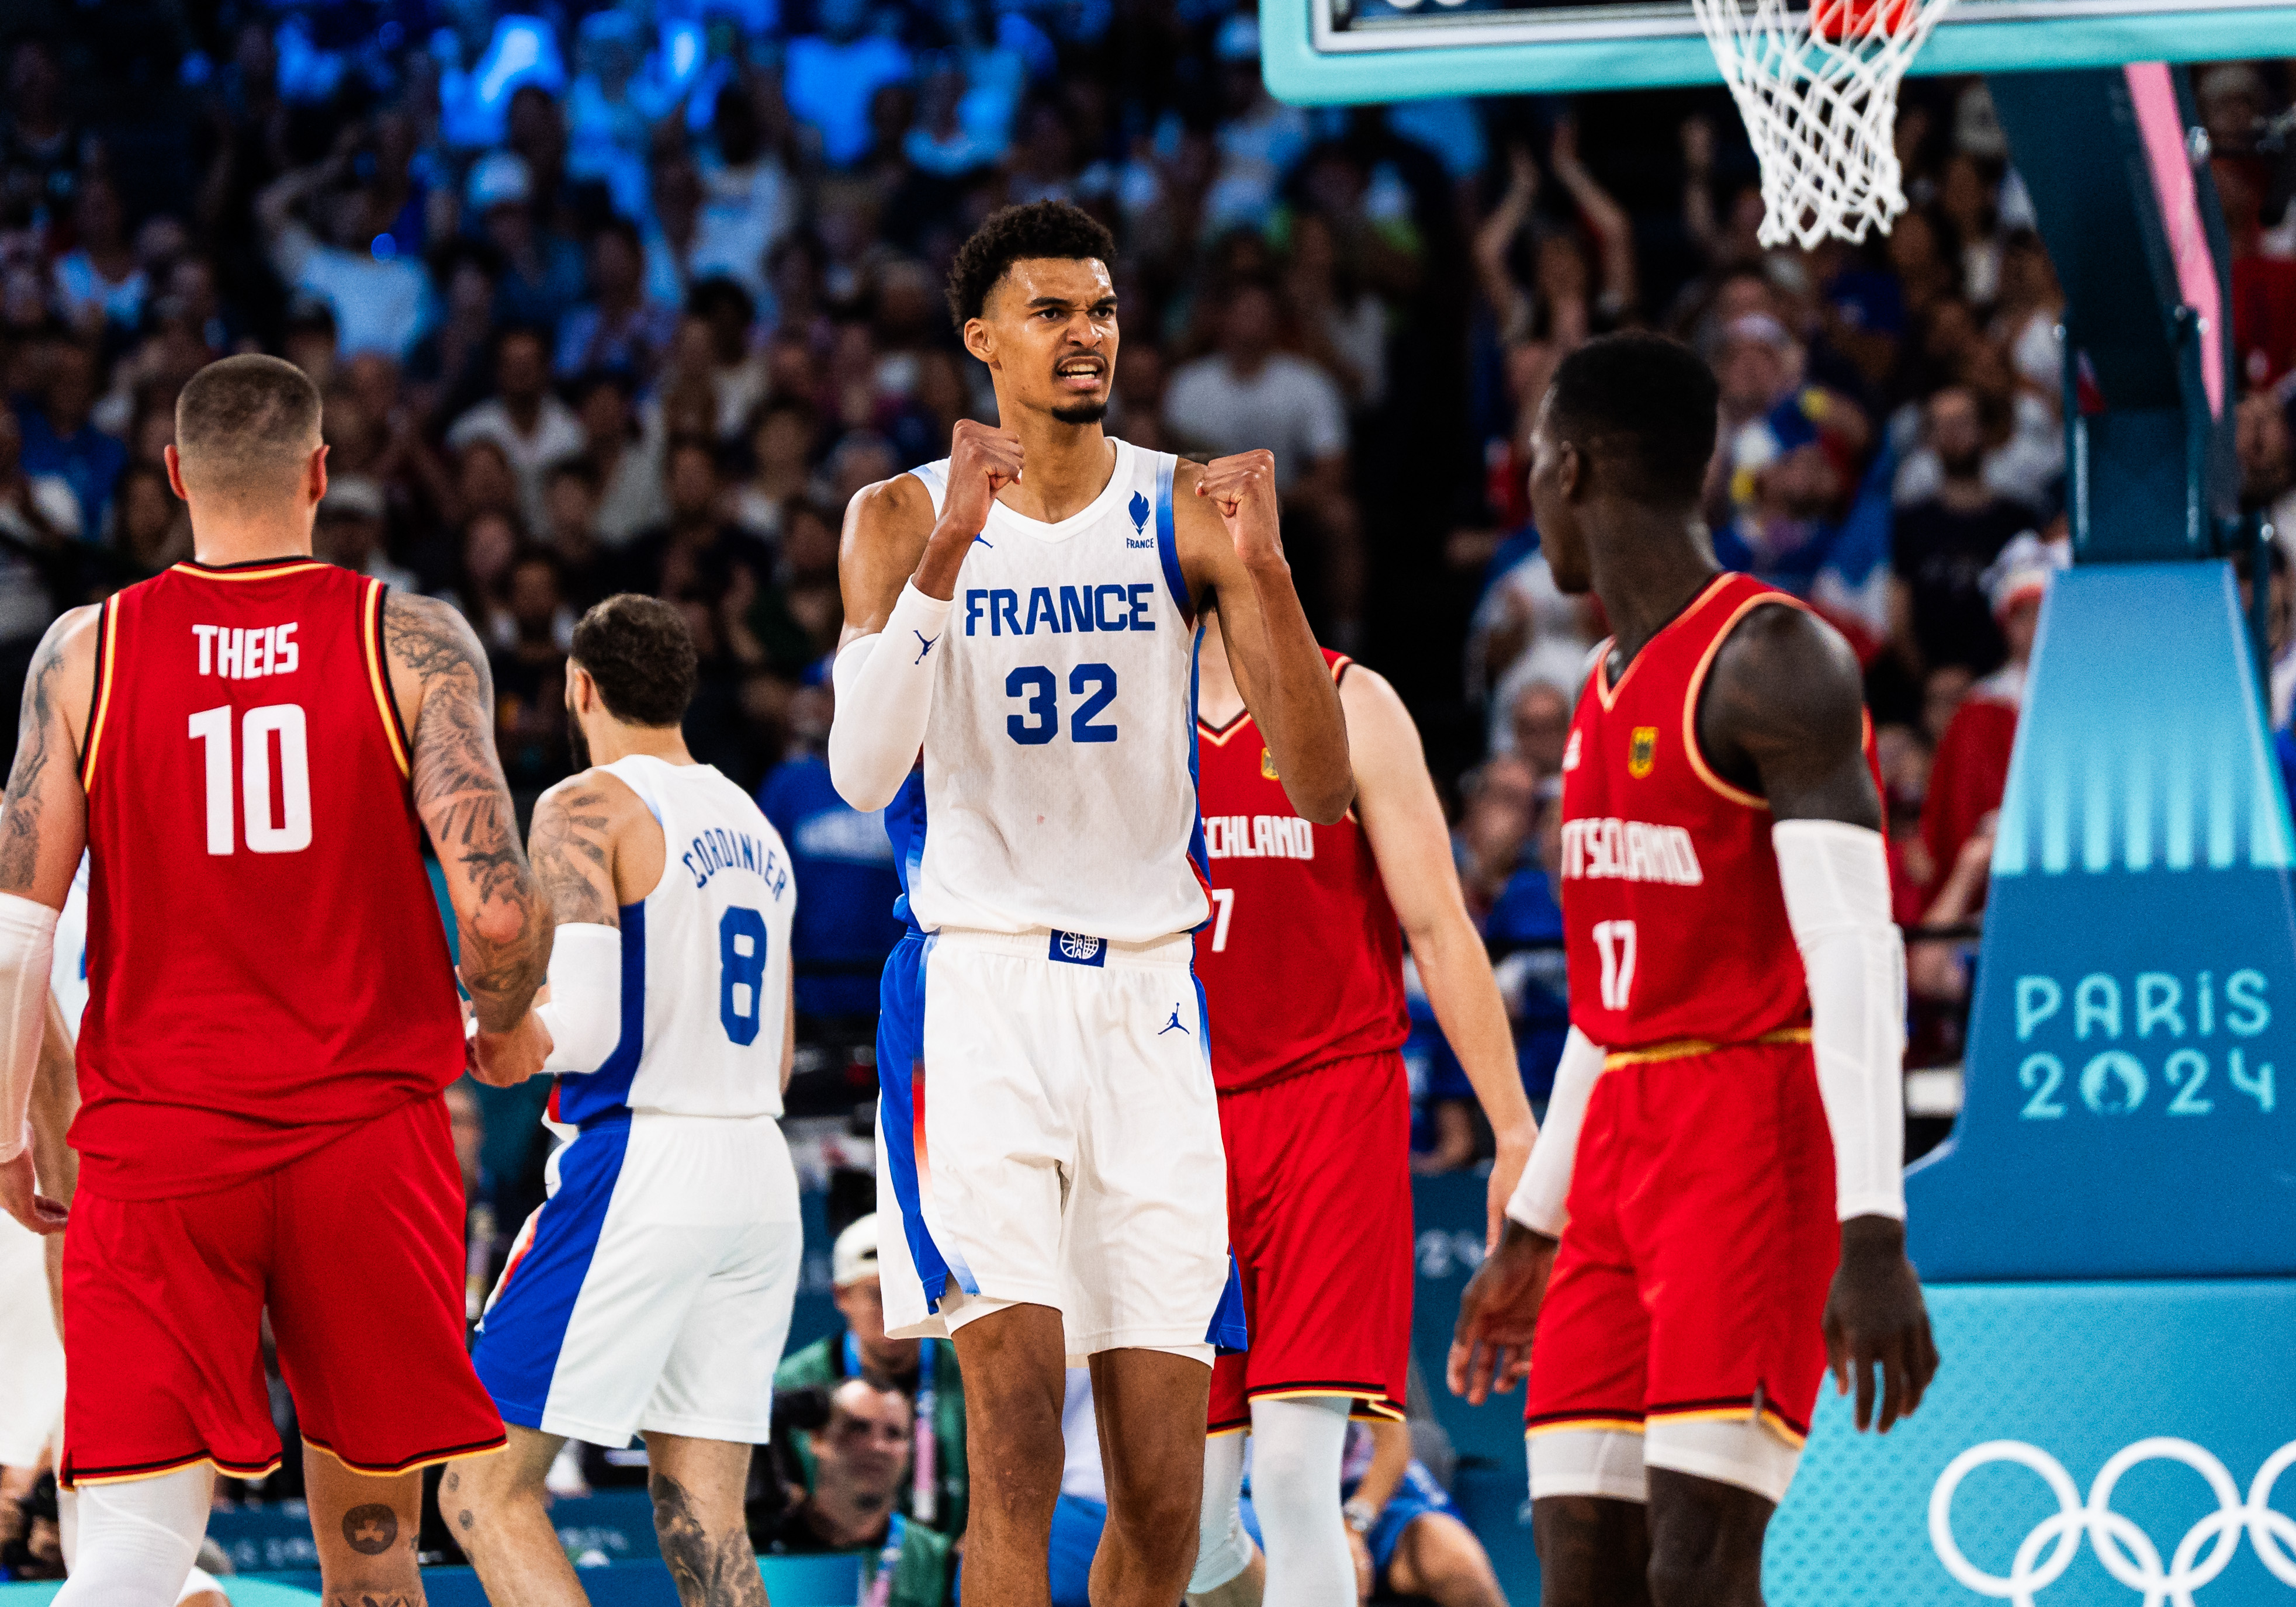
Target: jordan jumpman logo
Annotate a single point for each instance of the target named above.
(1174, 1022)
(926, 647)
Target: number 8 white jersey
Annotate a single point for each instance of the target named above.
(1058, 787)
(705, 960)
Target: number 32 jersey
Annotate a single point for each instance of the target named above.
(266, 966)
(705, 960)
(1059, 781)
(1673, 917)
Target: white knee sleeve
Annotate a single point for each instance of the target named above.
(1222, 1548)
(133, 1543)
(1297, 1448)
(198, 1582)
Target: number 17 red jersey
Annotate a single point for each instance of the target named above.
(266, 964)
(1673, 919)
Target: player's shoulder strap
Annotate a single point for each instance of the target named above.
(934, 477)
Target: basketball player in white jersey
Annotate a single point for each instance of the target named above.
(650, 1293)
(1024, 611)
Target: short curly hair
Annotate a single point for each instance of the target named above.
(642, 656)
(1042, 229)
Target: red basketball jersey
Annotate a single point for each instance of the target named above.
(266, 964)
(1302, 962)
(1674, 922)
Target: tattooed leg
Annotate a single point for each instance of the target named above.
(365, 1528)
(496, 1506)
(697, 1487)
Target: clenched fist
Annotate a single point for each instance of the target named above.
(981, 462)
(1242, 487)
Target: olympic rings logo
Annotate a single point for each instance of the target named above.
(2127, 1551)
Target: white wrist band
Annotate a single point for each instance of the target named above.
(1541, 1198)
(585, 1013)
(1836, 879)
(27, 947)
(884, 699)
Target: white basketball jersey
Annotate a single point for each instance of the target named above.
(705, 960)
(1059, 786)
(68, 971)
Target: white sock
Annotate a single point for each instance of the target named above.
(133, 1543)
(1296, 1449)
(1223, 1545)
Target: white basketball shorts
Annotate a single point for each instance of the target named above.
(1047, 1135)
(652, 1289)
(31, 1353)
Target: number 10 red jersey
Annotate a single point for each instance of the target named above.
(266, 964)
(1673, 919)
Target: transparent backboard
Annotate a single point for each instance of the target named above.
(1329, 52)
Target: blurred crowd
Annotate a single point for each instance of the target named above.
(636, 297)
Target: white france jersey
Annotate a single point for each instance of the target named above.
(705, 961)
(1059, 786)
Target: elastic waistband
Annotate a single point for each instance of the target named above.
(1681, 1049)
(622, 1116)
(1072, 948)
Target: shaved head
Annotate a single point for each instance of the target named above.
(245, 429)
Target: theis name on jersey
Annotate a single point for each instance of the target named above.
(717, 849)
(1258, 837)
(241, 653)
(1629, 850)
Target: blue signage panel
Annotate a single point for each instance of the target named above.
(2130, 1093)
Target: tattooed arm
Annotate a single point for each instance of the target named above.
(42, 829)
(447, 700)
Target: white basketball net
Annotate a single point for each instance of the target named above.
(1822, 110)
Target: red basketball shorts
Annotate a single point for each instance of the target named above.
(1693, 1276)
(356, 1250)
(1319, 1215)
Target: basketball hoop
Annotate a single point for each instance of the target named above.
(1818, 89)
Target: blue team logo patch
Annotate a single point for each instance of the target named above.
(1075, 949)
(1138, 509)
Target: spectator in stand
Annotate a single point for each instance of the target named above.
(1789, 498)
(1408, 1537)
(39, 142)
(617, 328)
(1945, 543)
(849, 1504)
(2266, 439)
(2022, 438)
(541, 274)
(923, 1371)
(349, 531)
(628, 473)
(529, 675)
(749, 200)
(381, 301)
(569, 498)
(1250, 394)
(57, 438)
(99, 281)
(829, 77)
(1499, 808)
(151, 527)
(716, 345)
(39, 541)
(842, 860)
(1539, 724)
(1970, 770)
(533, 428)
(697, 554)
(782, 438)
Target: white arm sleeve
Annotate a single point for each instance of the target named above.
(1837, 886)
(884, 697)
(1540, 1197)
(584, 1012)
(28, 944)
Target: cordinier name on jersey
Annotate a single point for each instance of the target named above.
(1629, 850)
(717, 849)
(241, 653)
(1059, 611)
(1258, 837)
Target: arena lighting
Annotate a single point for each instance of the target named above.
(523, 49)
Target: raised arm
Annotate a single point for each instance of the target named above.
(1232, 553)
(1783, 715)
(1395, 798)
(43, 831)
(446, 698)
(897, 565)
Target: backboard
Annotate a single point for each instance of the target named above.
(1337, 52)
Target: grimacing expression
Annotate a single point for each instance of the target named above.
(1049, 330)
